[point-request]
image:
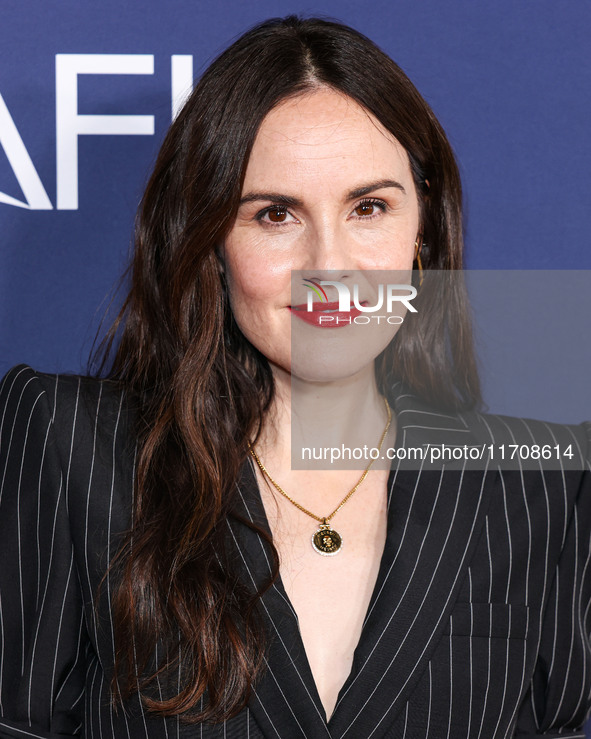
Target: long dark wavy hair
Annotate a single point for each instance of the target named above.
(202, 390)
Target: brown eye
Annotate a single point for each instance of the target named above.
(369, 208)
(365, 209)
(277, 215)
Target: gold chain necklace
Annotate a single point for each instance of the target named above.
(326, 540)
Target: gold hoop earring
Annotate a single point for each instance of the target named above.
(418, 248)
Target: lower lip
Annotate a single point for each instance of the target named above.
(326, 319)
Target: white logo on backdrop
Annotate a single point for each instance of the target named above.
(70, 124)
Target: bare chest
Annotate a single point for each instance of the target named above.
(330, 594)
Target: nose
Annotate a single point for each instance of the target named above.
(327, 253)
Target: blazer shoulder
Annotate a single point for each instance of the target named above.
(530, 433)
(77, 407)
(23, 402)
(26, 381)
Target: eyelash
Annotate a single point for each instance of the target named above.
(366, 201)
(371, 201)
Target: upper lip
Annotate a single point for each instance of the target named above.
(332, 305)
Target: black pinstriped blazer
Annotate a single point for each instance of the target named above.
(478, 625)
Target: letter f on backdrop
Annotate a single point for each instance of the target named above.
(70, 125)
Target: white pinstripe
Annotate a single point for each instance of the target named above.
(451, 682)
(400, 546)
(22, 731)
(13, 425)
(75, 663)
(528, 568)
(403, 593)
(487, 683)
(430, 699)
(88, 491)
(571, 672)
(470, 648)
(548, 523)
(287, 652)
(108, 579)
(563, 480)
(505, 679)
(416, 616)
(508, 539)
(557, 581)
(583, 634)
(572, 631)
(72, 448)
(2, 650)
(405, 721)
(59, 631)
(39, 517)
(93, 700)
(490, 567)
(521, 687)
(20, 554)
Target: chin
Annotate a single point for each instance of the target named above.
(340, 356)
(317, 370)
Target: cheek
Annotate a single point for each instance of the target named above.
(389, 245)
(257, 294)
(245, 291)
(253, 269)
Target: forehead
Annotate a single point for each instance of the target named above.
(323, 130)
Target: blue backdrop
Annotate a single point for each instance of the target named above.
(88, 90)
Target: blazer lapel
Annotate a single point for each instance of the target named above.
(434, 521)
(285, 702)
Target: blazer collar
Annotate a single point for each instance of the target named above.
(434, 519)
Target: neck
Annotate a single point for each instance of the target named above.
(307, 415)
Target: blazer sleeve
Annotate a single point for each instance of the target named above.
(559, 699)
(42, 631)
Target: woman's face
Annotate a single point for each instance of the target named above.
(328, 192)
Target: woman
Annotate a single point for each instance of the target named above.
(161, 571)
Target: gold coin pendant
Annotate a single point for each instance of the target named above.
(327, 541)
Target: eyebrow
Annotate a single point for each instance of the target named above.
(358, 192)
(379, 185)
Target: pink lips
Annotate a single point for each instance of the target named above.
(325, 315)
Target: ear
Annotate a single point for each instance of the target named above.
(424, 188)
